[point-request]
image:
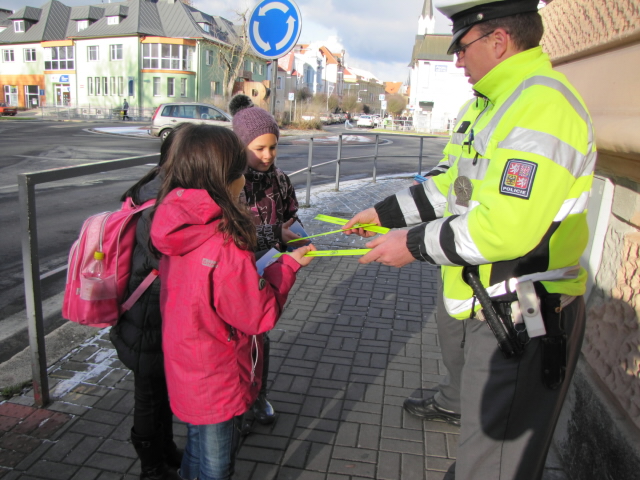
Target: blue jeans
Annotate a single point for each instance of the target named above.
(211, 450)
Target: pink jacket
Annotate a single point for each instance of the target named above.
(212, 301)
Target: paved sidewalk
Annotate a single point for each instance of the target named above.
(353, 342)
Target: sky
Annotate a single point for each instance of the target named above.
(377, 35)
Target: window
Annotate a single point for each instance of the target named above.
(254, 67)
(167, 57)
(18, 26)
(105, 85)
(97, 85)
(261, 69)
(216, 89)
(208, 57)
(120, 86)
(93, 53)
(156, 86)
(90, 86)
(131, 86)
(7, 56)
(183, 87)
(113, 20)
(171, 87)
(279, 83)
(116, 52)
(193, 111)
(29, 54)
(113, 85)
(205, 26)
(58, 58)
(82, 24)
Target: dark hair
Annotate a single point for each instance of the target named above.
(134, 190)
(525, 29)
(210, 158)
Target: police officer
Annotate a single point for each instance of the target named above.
(511, 211)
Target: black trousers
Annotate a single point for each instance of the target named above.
(151, 407)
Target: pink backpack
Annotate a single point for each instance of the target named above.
(99, 302)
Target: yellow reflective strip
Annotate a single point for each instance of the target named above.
(357, 225)
(330, 253)
(343, 221)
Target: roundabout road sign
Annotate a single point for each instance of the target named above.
(274, 27)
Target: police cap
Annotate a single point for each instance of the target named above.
(467, 13)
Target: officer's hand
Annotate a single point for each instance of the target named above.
(368, 216)
(389, 249)
(298, 255)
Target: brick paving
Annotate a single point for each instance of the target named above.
(352, 343)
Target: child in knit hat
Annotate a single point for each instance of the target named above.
(271, 197)
(268, 190)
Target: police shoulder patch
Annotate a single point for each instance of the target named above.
(517, 178)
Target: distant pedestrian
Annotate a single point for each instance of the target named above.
(125, 110)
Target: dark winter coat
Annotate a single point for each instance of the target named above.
(272, 200)
(138, 334)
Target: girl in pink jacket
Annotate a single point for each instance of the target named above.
(214, 303)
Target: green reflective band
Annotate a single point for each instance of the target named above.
(357, 225)
(330, 253)
(342, 221)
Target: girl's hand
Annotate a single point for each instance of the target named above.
(287, 235)
(298, 255)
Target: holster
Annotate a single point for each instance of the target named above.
(554, 343)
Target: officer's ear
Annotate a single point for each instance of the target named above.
(502, 44)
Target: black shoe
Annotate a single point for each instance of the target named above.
(429, 410)
(172, 455)
(263, 412)
(152, 465)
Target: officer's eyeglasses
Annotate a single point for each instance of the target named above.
(461, 49)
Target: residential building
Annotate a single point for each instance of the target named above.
(147, 51)
(438, 88)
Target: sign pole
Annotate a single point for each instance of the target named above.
(274, 81)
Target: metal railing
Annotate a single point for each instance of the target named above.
(95, 112)
(31, 261)
(340, 158)
(29, 235)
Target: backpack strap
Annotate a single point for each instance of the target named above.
(137, 293)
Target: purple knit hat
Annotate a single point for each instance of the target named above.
(249, 121)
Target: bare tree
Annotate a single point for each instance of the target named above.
(231, 56)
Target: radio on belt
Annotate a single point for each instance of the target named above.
(530, 309)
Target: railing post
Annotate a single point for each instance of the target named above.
(32, 291)
(309, 164)
(338, 163)
(420, 157)
(375, 160)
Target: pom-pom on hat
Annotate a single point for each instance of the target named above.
(249, 121)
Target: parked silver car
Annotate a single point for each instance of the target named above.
(168, 115)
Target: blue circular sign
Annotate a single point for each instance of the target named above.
(274, 27)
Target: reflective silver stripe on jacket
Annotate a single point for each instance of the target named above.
(573, 206)
(456, 307)
(482, 139)
(432, 242)
(551, 147)
(408, 206)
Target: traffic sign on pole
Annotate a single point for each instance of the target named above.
(274, 28)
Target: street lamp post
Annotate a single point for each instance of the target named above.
(359, 99)
(331, 88)
(349, 87)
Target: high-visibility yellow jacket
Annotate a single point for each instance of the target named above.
(526, 150)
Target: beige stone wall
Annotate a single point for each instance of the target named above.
(596, 44)
(573, 26)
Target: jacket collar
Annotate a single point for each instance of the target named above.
(507, 75)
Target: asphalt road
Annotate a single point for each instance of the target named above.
(29, 146)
